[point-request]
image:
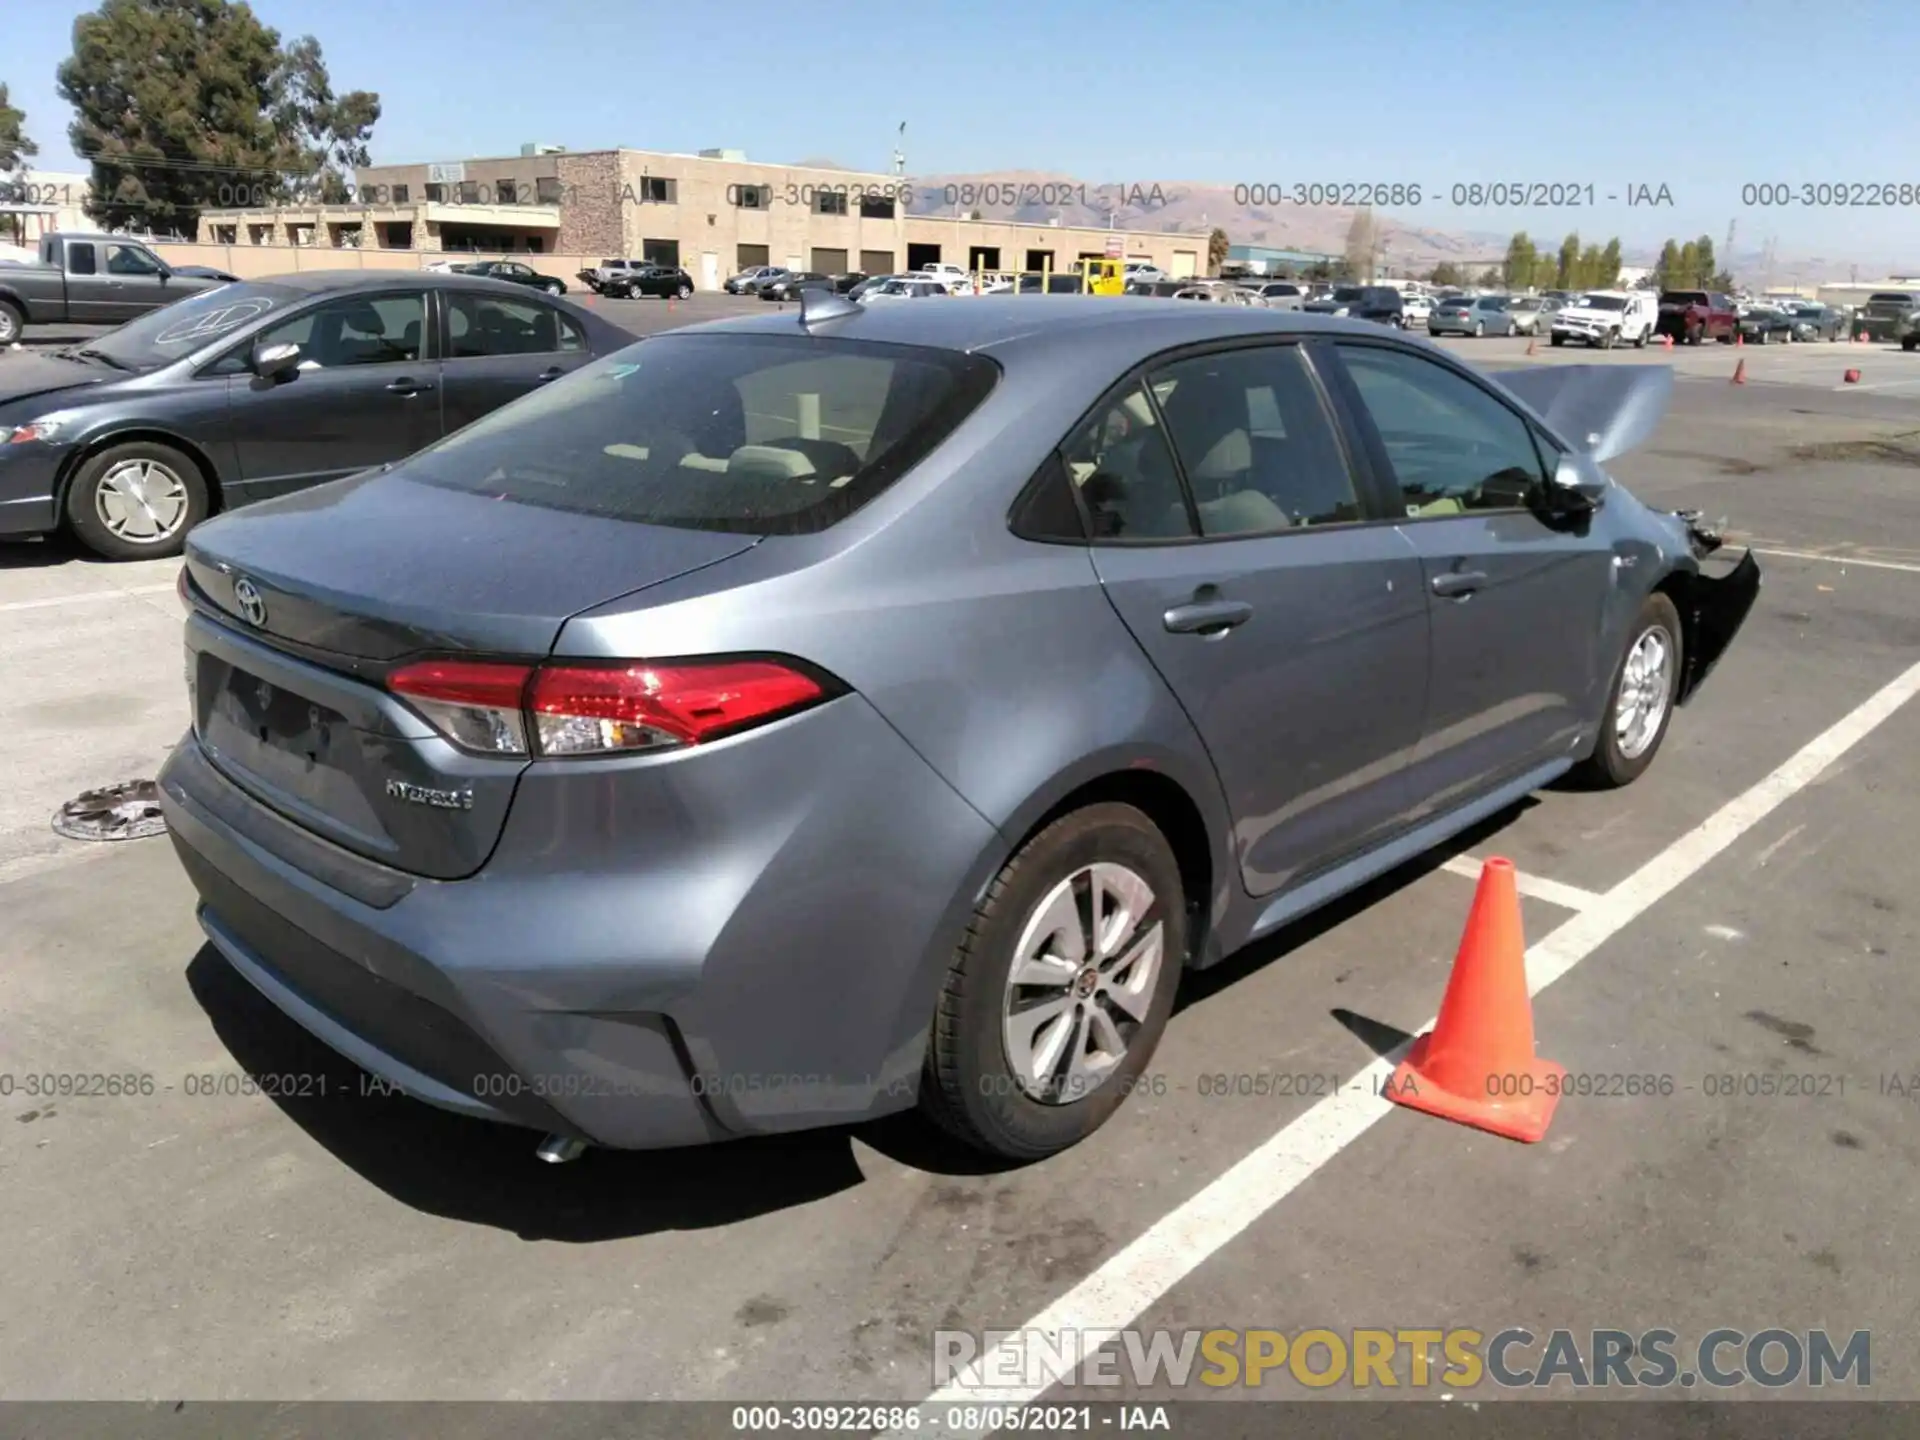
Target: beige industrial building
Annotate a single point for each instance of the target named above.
(713, 214)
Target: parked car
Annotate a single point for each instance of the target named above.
(868, 285)
(954, 277)
(1161, 289)
(848, 283)
(1884, 316)
(1529, 312)
(1765, 325)
(1474, 315)
(1414, 310)
(83, 279)
(1379, 303)
(1691, 316)
(787, 286)
(515, 273)
(663, 281)
(1279, 294)
(906, 287)
(609, 273)
(575, 863)
(1142, 270)
(1607, 318)
(261, 387)
(743, 283)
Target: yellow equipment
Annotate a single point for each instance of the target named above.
(1102, 277)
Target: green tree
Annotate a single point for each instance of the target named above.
(1563, 277)
(334, 129)
(1492, 277)
(1667, 270)
(186, 105)
(1609, 273)
(1522, 261)
(15, 147)
(1690, 266)
(1446, 273)
(1704, 260)
(1360, 245)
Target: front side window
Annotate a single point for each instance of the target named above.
(360, 330)
(1258, 449)
(1454, 447)
(752, 434)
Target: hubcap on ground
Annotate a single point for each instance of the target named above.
(1082, 981)
(141, 500)
(1645, 688)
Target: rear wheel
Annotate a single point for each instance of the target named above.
(1558, 340)
(684, 291)
(1479, 329)
(1640, 704)
(1640, 340)
(136, 501)
(1060, 990)
(12, 322)
(554, 287)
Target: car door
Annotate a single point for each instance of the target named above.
(366, 392)
(92, 295)
(1514, 600)
(137, 282)
(1233, 538)
(499, 347)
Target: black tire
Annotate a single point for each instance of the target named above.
(554, 287)
(1909, 343)
(1608, 767)
(1557, 340)
(1695, 333)
(968, 1087)
(685, 291)
(1479, 329)
(1610, 339)
(1640, 340)
(12, 322)
(83, 506)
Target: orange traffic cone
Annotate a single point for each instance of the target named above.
(1668, 339)
(1738, 340)
(1740, 373)
(1477, 1066)
(1852, 377)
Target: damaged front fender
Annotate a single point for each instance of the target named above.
(1717, 606)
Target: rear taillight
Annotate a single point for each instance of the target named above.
(560, 710)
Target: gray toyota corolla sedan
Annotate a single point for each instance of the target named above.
(790, 720)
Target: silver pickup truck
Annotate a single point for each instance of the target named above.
(88, 280)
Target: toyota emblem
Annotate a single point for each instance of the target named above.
(246, 595)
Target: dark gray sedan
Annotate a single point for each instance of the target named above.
(261, 387)
(789, 721)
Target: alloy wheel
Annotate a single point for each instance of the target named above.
(1082, 982)
(141, 501)
(1645, 690)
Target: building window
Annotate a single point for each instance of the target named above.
(661, 252)
(225, 234)
(259, 234)
(546, 190)
(751, 197)
(654, 190)
(397, 235)
(876, 207)
(399, 194)
(468, 192)
(507, 192)
(829, 202)
(436, 194)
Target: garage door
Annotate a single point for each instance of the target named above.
(829, 262)
(1184, 264)
(748, 256)
(876, 262)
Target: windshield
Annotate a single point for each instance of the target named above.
(1603, 302)
(163, 336)
(1347, 294)
(755, 434)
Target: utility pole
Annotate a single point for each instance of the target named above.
(900, 151)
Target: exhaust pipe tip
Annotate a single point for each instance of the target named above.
(559, 1149)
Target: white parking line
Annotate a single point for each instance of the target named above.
(1840, 560)
(1567, 897)
(87, 597)
(1117, 1293)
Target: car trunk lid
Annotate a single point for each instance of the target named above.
(300, 618)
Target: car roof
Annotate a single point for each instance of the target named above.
(1121, 330)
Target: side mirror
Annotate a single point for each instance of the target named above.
(276, 362)
(1576, 487)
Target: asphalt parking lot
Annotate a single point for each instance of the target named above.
(1748, 909)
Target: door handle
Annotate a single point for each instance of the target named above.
(1207, 617)
(1458, 584)
(552, 372)
(408, 386)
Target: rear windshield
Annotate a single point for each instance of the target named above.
(1890, 297)
(755, 434)
(1685, 297)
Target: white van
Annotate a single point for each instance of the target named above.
(954, 277)
(1608, 318)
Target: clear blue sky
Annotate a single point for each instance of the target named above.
(1700, 95)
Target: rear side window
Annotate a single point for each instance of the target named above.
(1259, 452)
(754, 434)
(479, 325)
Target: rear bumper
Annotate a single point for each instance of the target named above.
(761, 953)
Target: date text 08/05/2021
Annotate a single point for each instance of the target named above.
(1473, 194)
